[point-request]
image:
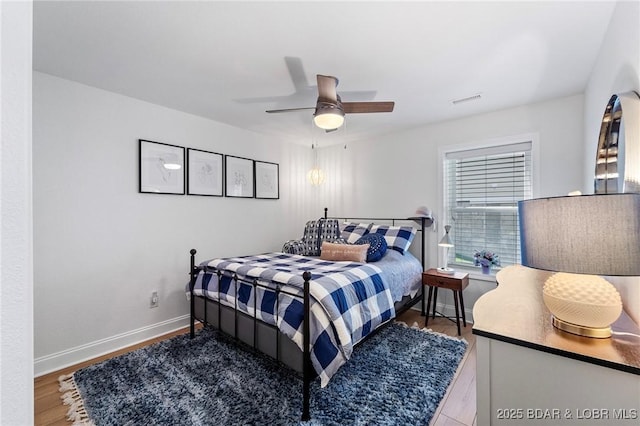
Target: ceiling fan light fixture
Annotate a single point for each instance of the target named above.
(328, 116)
(329, 120)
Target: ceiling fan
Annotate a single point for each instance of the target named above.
(330, 110)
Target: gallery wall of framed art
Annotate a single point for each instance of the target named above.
(173, 169)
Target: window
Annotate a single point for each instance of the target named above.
(482, 190)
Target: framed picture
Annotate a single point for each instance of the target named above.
(204, 173)
(238, 177)
(162, 168)
(267, 180)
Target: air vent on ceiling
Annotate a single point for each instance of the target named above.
(467, 99)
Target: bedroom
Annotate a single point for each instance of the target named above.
(104, 239)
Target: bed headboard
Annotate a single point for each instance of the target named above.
(423, 224)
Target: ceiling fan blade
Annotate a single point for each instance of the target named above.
(327, 87)
(296, 71)
(362, 107)
(271, 111)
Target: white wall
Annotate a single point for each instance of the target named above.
(101, 248)
(394, 174)
(16, 256)
(617, 70)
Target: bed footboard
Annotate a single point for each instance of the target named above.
(306, 351)
(307, 369)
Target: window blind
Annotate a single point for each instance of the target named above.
(482, 190)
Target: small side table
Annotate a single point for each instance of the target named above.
(456, 282)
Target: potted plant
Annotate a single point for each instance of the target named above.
(486, 259)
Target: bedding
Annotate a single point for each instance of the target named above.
(349, 300)
(361, 300)
(403, 272)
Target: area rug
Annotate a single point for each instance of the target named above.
(397, 377)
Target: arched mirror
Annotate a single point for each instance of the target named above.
(618, 155)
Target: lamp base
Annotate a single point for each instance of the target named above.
(580, 330)
(448, 271)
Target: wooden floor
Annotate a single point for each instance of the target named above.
(457, 408)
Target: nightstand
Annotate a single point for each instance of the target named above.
(456, 282)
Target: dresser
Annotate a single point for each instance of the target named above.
(530, 373)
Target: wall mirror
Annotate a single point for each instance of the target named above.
(618, 154)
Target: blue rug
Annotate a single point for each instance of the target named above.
(397, 377)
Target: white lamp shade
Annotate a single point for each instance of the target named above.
(446, 240)
(316, 176)
(329, 120)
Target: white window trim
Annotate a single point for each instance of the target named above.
(480, 144)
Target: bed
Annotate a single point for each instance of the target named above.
(306, 312)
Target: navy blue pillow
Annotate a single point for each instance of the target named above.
(377, 246)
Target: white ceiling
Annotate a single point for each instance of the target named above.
(231, 61)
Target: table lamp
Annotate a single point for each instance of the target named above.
(581, 237)
(447, 244)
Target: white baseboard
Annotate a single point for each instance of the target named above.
(59, 360)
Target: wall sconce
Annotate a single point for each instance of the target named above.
(447, 244)
(582, 236)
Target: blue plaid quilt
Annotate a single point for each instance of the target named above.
(348, 300)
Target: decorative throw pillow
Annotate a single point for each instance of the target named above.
(377, 246)
(328, 229)
(343, 252)
(310, 238)
(353, 231)
(397, 237)
(294, 247)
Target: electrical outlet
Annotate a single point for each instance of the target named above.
(154, 300)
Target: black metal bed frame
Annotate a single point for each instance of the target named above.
(308, 373)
